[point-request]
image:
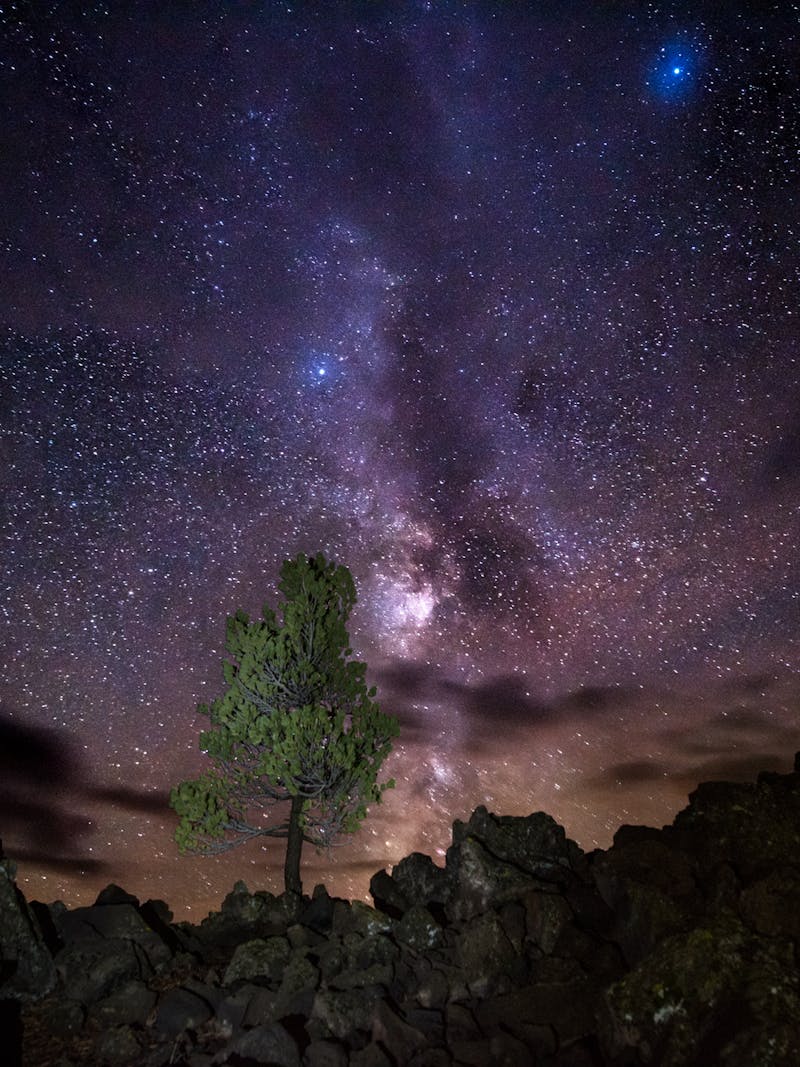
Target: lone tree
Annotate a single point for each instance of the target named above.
(296, 726)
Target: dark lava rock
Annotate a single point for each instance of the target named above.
(114, 894)
(535, 844)
(748, 825)
(92, 970)
(117, 1047)
(650, 889)
(130, 1004)
(260, 959)
(27, 971)
(495, 858)
(703, 995)
(325, 1054)
(246, 915)
(415, 880)
(771, 906)
(179, 1010)
(419, 930)
(266, 1044)
(674, 948)
(395, 1034)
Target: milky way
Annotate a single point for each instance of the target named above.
(495, 305)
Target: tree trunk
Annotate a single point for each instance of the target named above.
(294, 846)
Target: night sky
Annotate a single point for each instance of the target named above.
(494, 303)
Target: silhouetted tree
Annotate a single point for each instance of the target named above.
(297, 727)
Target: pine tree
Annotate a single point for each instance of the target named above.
(297, 727)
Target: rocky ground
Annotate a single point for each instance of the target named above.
(674, 947)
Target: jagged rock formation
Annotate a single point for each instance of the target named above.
(26, 966)
(675, 947)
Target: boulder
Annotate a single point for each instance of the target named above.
(258, 959)
(387, 895)
(516, 1013)
(325, 1054)
(460, 1024)
(269, 1043)
(419, 930)
(357, 977)
(431, 1057)
(644, 917)
(372, 1055)
(484, 882)
(485, 955)
(233, 1007)
(428, 1021)
(64, 1016)
(317, 915)
(495, 859)
(534, 844)
(507, 1051)
(771, 906)
(130, 1004)
(414, 880)
(116, 1047)
(299, 983)
(698, 990)
(93, 969)
(546, 916)
(544, 1013)
(364, 951)
(356, 917)
(246, 915)
(474, 1053)
(675, 947)
(112, 921)
(180, 1010)
(27, 972)
(115, 894)
(261, 1006)
(649, 887)
(747, 825)
(396, 1034)
(344, 1013)
(430, 987)
(421, 881)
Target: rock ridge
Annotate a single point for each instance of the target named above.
(675, 947)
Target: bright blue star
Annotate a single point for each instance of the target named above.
(675, 72)
(321, 369)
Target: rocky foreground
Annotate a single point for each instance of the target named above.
(674, 947)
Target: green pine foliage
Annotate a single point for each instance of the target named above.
(295, 723)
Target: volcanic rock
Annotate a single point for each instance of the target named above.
(27, 971)
(675, 947)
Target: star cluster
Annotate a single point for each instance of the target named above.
(495, 305)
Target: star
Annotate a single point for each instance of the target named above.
(676, 71)
(498, 311)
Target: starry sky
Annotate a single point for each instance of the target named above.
(494, 303)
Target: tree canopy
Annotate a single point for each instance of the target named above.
(296, 727)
